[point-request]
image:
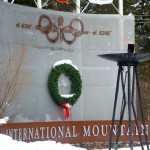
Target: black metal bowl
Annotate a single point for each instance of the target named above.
(127, 58)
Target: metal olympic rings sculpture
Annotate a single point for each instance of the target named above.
(60, 30)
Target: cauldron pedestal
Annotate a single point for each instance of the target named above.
(131, 61)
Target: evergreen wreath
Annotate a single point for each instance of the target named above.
(76, 84)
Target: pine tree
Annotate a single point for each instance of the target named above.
(141, 10)
(30, 3)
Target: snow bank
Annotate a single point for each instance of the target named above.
(6, 143)
(4, 120)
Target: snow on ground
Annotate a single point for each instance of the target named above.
(6, 143)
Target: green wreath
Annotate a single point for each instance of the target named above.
(76, 83)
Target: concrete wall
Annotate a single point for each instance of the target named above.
(18, 26)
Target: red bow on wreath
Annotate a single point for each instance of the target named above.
(62, 1)
(66, 106)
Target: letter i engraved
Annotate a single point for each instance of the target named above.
(47, 132)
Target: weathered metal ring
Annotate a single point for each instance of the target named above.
(48, 37)
(40, 24)
(77, 33)
(69, 28)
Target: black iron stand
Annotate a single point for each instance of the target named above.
(130, 104)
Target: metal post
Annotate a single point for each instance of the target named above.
(141, 109)
(123, 82)
(129, 108)
(39, 4)
(121, 7)
(133, 108)
(115, 104)
(78, 6)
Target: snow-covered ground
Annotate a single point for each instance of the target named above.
(6, 143)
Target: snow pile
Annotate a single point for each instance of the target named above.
(8, 144)
(67, 95)
(4, 120)
(64, 62)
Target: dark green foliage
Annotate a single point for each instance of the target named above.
(30, 3)
(71, 6)
(142, 40)
(142, 29)
(68, 7)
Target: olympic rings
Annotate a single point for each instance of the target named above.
(77, 33)
(60, 31)
(74, 32)
(63, 36)
(40, 22)
(47, 34)
(47, 29)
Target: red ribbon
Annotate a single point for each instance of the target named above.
(66, 106)
(63, 1)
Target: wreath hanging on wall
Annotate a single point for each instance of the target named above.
(65, 101)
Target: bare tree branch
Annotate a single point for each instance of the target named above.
(12, 78)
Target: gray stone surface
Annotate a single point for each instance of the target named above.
(98, 75)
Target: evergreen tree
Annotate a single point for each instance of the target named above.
(70, 6)
(141, 10)
(30, 3)
(99, 9)
(142, 14)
